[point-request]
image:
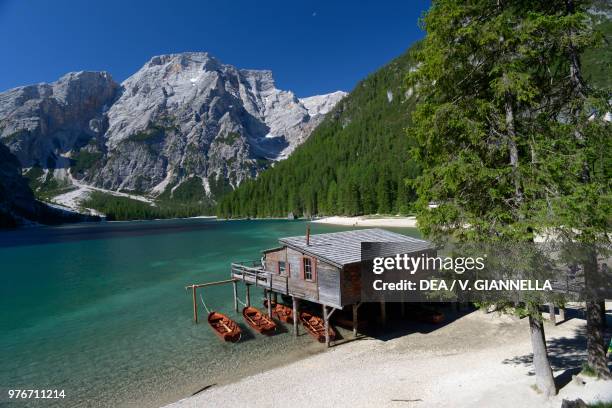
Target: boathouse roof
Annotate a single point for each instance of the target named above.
(344, 248)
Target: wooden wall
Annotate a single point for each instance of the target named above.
(351, 284)
(272, 258)
(328, 280)
(297, 285)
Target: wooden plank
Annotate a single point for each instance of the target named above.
(269, 304)
(326, 320)
(303, 289)
(202, 285)
(355, 321)
(263, 278)
(272, 258)
(295, 316)
(294, 259)
(235, 285)
(195, 305)
(328, 281)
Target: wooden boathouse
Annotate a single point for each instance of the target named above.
(324, 269)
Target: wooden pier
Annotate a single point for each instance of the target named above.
(323, 269)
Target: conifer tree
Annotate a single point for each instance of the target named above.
(491, 116)
(580, 205)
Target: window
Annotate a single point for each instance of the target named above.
(307, 269)
(282, 268)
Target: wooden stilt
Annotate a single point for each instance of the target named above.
(562, 314)
(552, 314)
(355, 320)
(295, 316)
(269, 304)
(235, 285)
(195, 304)
(248, 295)
(383, 313)
(326, 320)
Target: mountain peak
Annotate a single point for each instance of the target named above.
(321, 104)
(184, 58)
(81, 75)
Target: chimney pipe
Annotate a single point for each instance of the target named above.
(307, 235)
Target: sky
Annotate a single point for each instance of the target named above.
(312, 47)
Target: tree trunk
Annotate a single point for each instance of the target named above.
(596, 347)
(575, 66)
(514, 155)
(544, 377)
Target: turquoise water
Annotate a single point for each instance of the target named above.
(100, 310)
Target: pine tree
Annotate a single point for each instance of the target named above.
(332, 198)
(491, 88)
(384, 195)
(581, 202)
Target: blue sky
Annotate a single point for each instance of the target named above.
(312, 47)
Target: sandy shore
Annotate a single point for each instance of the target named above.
(370, 221)
(477, 360)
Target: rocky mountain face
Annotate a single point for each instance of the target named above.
(181, 117)
(43, 123)
(18, 206)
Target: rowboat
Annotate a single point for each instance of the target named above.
(316, 327)
(258, 321)
(224, 327)
(281, 312)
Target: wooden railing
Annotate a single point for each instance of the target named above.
(258, 276)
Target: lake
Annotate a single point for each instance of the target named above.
(101, 310)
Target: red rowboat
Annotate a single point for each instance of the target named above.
(316, 327)
(224, 327)
(281, 312)
(258, 321)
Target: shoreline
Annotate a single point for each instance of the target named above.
(370, 221)
(487, 361)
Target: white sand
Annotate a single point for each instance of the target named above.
(475, 361)
(365, 221)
